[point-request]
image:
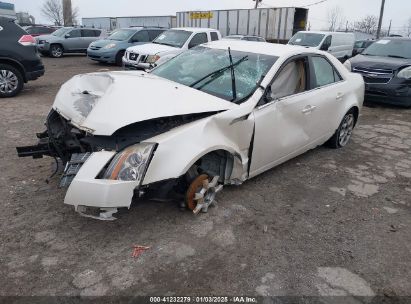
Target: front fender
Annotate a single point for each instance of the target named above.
(182, 147)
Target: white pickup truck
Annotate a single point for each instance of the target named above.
(166, 46)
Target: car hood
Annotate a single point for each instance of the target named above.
(377, 62)
(152, 49)
(102, 103)
(104, 42)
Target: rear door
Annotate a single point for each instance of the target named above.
(328, 89)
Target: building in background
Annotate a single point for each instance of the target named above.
(25, 19)
(7, 10)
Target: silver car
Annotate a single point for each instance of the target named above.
(68, 40)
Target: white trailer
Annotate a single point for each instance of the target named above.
(157, 21)
(274, 24)
(105, 23)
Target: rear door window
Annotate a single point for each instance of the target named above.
(323, 72)
(214, 36)
(88, 33)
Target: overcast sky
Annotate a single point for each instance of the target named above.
(397, 10)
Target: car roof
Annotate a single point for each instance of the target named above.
(327, 33)
(194, 29)
(265, 48)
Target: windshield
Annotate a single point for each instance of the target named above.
(199, 62)
(173, 38)
(121, 35)
(61, 32)
(306, 39)
(390, 48)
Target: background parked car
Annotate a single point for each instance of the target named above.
(37, 30)
(386, 69)
(361, 45)
(243, 37)
(166, 46)
(112, 49)
(341, 45)
(19, 60)
(68, 40)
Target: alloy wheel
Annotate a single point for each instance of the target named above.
(346, 130)
(8, 82)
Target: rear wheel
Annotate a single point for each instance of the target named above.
(343, 134)
(119, 58)
(56, 51)
(11, 81)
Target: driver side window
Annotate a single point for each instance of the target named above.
(326, 44)
(290, 81)
(141, 36)
(75, 34)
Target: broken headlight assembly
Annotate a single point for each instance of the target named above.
(152, 58)
(405, 73)
(130, 164)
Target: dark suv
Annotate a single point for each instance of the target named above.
(19, 60)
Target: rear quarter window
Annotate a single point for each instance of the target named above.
(214, 36)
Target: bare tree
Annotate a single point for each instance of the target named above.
(367, 25)
(53, 10)
(335, 18)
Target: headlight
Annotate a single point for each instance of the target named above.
(130, 164)
(110, 46)
(405, 73)
(152, 58)
(347, 64)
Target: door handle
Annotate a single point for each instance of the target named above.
(308, 109)
(339, 96)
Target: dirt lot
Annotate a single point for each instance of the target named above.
(327, 223)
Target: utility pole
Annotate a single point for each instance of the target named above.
(389, 29)
(67, 13)
(381, 17)
(257, 2)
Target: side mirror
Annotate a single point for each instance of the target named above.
(67, 36)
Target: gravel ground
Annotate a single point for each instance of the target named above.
(326, 223)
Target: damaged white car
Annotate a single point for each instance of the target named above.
(216, 115)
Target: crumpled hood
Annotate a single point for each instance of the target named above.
(102, 103)
(376, 62)
(152, 49)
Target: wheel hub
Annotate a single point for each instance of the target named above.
(346, 130)
(202, 193)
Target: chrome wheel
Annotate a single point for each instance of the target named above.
(346, 129)
(56, 51)
(8, 82)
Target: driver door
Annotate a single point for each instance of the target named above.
(283, 119)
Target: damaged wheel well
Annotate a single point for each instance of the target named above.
(215, 163)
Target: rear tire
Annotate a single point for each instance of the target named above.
(119, 58)
(11, 81)
(343, 134)
(56, 51)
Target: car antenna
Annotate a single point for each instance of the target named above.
(232, 75)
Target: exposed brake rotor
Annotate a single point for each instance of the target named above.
(202, 192)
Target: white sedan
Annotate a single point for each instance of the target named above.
(216, 115)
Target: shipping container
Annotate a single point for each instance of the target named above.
(273, 24)
(158, 21)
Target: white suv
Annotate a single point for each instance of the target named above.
(166, 46)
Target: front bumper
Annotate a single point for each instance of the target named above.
(87, 190)
(390, 93)
(102, 56)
